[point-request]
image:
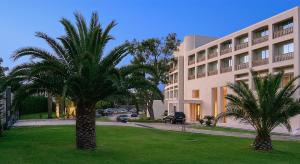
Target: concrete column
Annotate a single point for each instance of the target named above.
(271, 47)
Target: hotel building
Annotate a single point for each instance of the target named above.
(203, 66)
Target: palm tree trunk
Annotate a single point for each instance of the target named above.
(85, 127)
(263, 143)
(150, 109)
(49, 105)
(61, 107)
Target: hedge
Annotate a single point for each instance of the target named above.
(34, 104)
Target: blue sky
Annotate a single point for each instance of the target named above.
(136, 18)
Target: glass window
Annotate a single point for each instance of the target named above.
(288, 48)
(195, 94)
(288, 25)
(264, 33)
(265, 54)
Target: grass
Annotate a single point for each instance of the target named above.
(103, 118)
(225, 129)
(43, 115)
(55, 144)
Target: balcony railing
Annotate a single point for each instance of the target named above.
(191, 77)
(200, 59)
(172, 69)
(225, 51)
(213, 72)
(282, 32)
(260, 40)
(191, 62)
(260, 62)
(241, 66)
(226, 69)
(283, 57)
(212, 55)
(241, 46)
(201, 74)
(175, 80)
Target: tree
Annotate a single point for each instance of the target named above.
(156, 53)
(269, 106)
(78, 69)
(2, 82)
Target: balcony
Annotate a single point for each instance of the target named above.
(212, 72)
(173, 69)
(175, 80)
(200, 59)
(241, 46)
(282, 32)
(212, 55)
(190, 77)
(241, 66)
(282, 57)
(190, 62)
(225, 51)
(226, 69)
(260, 40)
(201, 74)
(259, 62)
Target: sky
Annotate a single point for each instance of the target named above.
(140, 19)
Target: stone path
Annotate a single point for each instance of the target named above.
(161, 126)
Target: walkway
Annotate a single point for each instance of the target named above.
(161, 126)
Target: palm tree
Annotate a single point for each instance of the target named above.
(78, 69)
(269, 106)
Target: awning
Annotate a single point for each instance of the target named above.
(193, 101)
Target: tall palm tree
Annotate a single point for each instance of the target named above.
(78, 69)
(269, 106)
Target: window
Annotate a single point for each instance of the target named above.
(191, 73)
(171, 94)
(287, 25)
(175, 93)
(286, 78)
(244, 40)
(263, 33)
(195, 94)
(265, 54)
(230, 62)
(227, 63)
(288, 48)
(201, 69)
(244, 59)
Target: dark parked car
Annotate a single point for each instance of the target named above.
(122, 118)
(178, 117)
(134, 115)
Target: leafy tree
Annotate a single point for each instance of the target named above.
(156, 53)
(77, 68)
(265, 108)
(2, 82)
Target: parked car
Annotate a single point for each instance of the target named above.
(122, 118)
(178, 117)
(134, 115)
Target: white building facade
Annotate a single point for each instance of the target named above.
(203, 66)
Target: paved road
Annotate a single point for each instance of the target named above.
(161, 126)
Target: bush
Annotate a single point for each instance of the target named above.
(209, 120)
(34, 104)
(201, 121)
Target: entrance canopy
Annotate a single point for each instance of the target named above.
(193, 101)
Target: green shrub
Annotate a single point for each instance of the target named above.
(209, 120)
(34, 104)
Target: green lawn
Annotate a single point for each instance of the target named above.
(221, 129)
(55, 144)
(103, 118)
(43, 115)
